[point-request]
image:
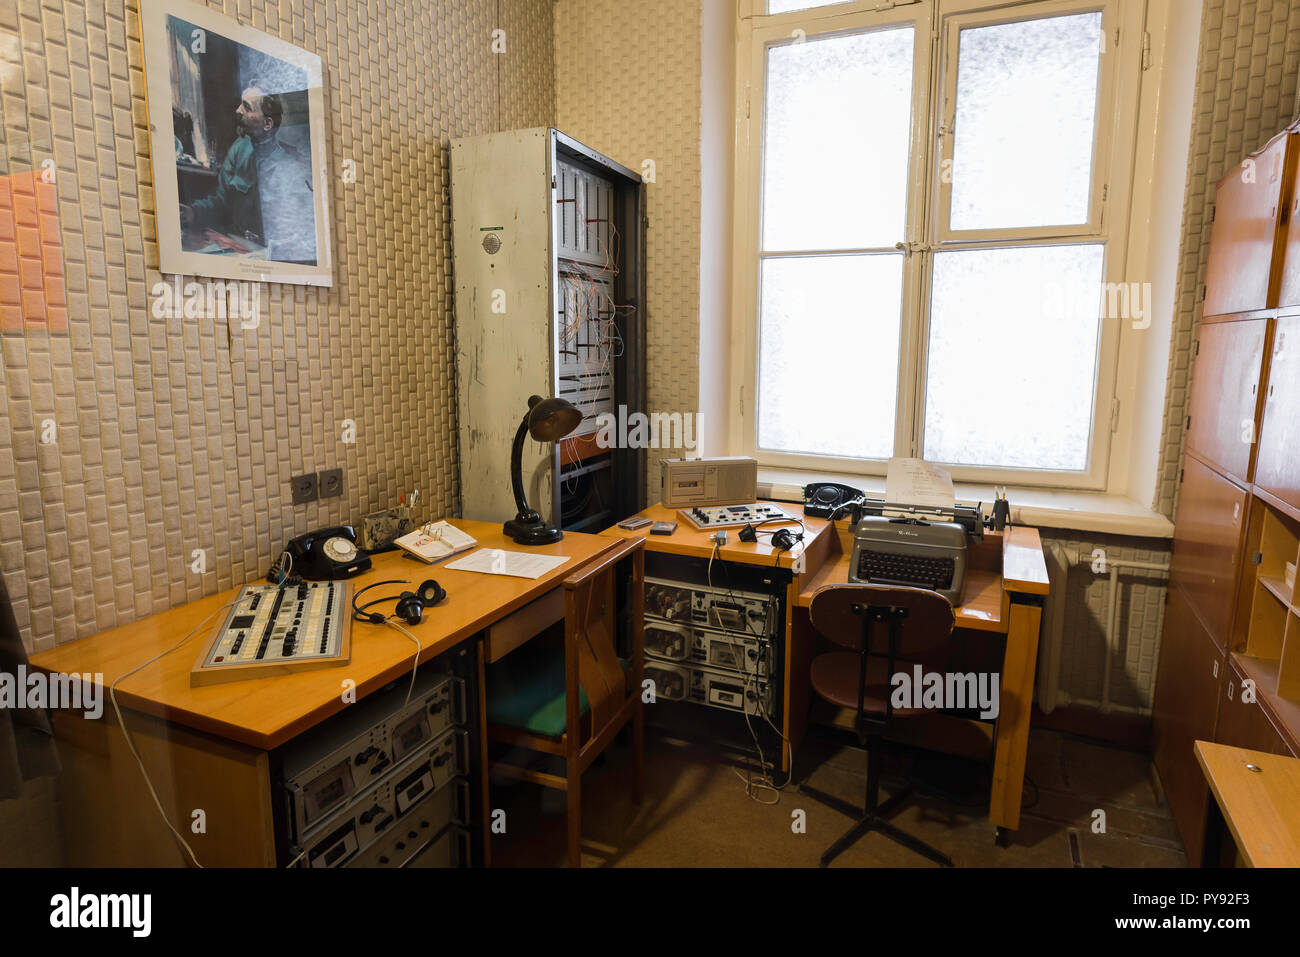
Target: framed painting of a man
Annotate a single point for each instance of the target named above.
(238, 140)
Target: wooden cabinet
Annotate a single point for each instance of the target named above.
(1221, 419)
(1184, 709)
(1244, 724)
(1277, 470)
(1207, 544)
(1233, 610)
(1289, 293)
(1240, 275)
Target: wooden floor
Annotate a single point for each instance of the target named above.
(696, 812)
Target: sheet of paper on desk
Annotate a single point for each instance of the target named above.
(498, 561)
(917, 482)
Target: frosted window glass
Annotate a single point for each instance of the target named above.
(1025, 123)
(835, 144)
(786, 6)
(828, 354)
(1013, 356)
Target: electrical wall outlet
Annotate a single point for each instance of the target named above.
(304, 488)
(331, 483)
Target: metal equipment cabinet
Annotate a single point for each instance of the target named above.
(550, 300)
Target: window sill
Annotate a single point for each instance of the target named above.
(1040, 508)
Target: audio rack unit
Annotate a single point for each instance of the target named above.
(731, 692)
(711, 646)
(384, 766)
(745, 612)
(386, 805)
(689, 644)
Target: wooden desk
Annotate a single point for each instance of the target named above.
(207, 747)
(1261, 808)
(1006, 581)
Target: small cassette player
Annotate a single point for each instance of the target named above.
(712, 481)
(730, 692)
(912, 552)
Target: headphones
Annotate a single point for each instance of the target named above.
(783, 539)
(410, 604)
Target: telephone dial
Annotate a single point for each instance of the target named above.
(324, 555)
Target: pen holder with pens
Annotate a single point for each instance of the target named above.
(380, 529)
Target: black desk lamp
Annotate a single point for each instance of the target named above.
(547, 420)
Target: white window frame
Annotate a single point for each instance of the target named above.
(1120, 86)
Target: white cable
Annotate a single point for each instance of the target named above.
(416, 664)
(762, 781)
(130, 743)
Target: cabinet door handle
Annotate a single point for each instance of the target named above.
(1229, 690)
(1214, 666)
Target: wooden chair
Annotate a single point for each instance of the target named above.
(572, 705)
(917, 625)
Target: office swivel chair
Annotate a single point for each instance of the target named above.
(917, 624)
(571, 704)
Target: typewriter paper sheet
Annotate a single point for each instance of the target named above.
(916, 482)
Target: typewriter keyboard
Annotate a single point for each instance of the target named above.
(884, 568)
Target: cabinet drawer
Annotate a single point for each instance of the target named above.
(1221, 425)
(1244, 235)
(1186, 699)
(1243, 724)
(1277, 469)
(1207, 544)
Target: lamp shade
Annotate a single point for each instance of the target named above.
(551, 419)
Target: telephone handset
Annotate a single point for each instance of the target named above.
(822, 499)
(323, 555)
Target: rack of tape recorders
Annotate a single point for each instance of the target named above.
(711, 636)
(386, 782)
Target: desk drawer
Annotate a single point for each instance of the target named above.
(519, 626)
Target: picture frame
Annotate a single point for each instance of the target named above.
(238, 146)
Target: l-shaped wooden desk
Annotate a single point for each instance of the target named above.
(209, 747)
(1006, 582)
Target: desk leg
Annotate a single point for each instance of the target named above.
(799, 640)
(484, 775)
(1015, 705)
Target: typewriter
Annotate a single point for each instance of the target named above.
(914, 546)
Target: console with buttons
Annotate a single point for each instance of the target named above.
(274, 630)
(353, 781)
(727, 516)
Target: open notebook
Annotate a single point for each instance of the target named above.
(435, 541)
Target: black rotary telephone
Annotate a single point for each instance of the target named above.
(822, 499)
(324, 555)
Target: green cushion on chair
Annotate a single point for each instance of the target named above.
(525, 690)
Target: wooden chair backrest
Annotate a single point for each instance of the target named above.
(590, 632)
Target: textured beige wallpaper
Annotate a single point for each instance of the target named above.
(627, 82)
(173, 435)
(1248, 66)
